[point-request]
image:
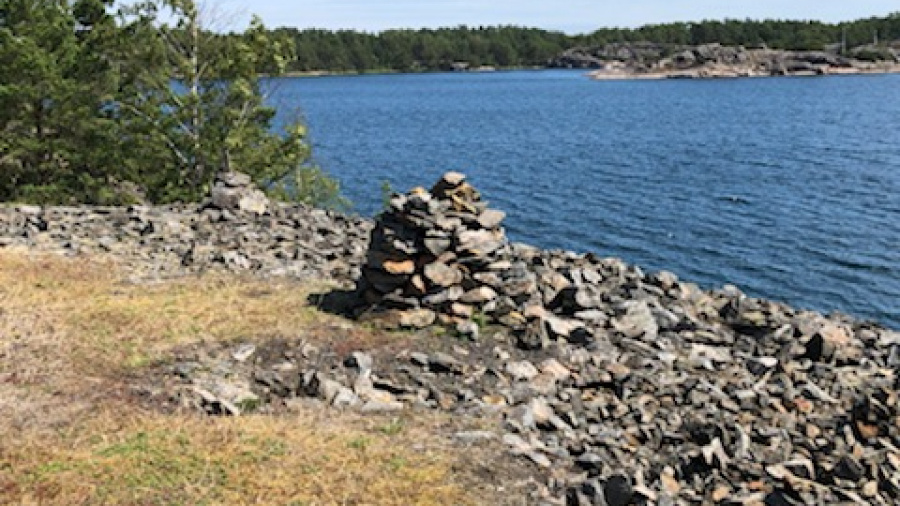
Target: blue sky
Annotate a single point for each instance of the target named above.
(572, 16)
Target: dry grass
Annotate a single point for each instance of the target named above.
(154, 459)
(72, 330)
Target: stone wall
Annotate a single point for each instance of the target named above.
(236, 229)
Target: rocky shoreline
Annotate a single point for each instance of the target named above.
(620, 386)
(656, 61)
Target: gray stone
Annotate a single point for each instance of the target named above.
(480, 242)
(453, 179)
(539, 412)
(345, 398)
(442, 362)
(521, 371)
(437, 245)
(243, 199)
(417, 318)
(480, 295)
(515, 442)
(561, 327)
(29, 211)
(420, 359)
(328, 389)
(243, 352)
(491, 218)
(377, 406)
(638, 321)
(443, 275)
(234, 179)
(468, 329)
(474, 437)
(362, 362)
(554, 369)
(539, 458)
(451, 294)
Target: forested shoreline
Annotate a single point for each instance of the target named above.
(109, 103)
(512, 46)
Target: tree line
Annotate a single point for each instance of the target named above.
(776, 34)
(107, 104)
(511, 46)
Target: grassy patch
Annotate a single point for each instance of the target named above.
(71, 333)
(108, 325)
(152, 459)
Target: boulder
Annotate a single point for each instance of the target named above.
(234, 191)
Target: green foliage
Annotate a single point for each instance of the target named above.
(104, 107)
(777, 34)
(54, 86)
(417, 50)
(511, 46)
(387, 193)
(213, 118)
(310, 185)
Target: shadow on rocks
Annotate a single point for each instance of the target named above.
(344, 303)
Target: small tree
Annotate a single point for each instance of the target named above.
(195, 103)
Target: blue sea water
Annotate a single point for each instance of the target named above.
(786, 187)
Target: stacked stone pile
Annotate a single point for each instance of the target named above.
(237, 229)
(235, 191)
(440, 255)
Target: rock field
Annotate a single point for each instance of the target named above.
(237, 229)
(621, 387)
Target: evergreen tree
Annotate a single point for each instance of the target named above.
(94, 104)
(196, 106)
(56, 95)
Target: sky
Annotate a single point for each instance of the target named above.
(571, 16)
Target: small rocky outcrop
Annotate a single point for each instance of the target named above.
(650, 60)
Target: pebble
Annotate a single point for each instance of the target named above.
(521, 370)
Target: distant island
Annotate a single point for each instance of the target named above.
(670, 61)
(717, 48)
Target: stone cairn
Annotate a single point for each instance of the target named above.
(442, 256)
(235, 191)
